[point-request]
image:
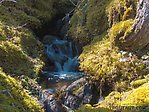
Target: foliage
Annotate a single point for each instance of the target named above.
(14, 98)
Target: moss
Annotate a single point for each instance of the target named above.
(138, 97)
(22, 44)
(129, 13)
(100, 58)
(122, 86)
(97, 21)
(63, 6)
(104, 60)
(110, 67)
(119, 10)
(135, 100)
(140, 82)
(88, 21)
(14, 98)
(29, 12)
(93, 17)
(82, 36)
(89, 108)
(16, 39)
(119, 32)
(21, 54)
(14, 60)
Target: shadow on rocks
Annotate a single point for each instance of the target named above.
(53, 105)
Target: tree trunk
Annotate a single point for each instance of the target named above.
(139, 37)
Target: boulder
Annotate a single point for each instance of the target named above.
(53, 105)
(79, 92)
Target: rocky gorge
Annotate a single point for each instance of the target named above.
(74, 55)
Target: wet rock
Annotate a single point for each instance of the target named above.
(54, 78)
(53, 105)
(80, 92)
(48, 39)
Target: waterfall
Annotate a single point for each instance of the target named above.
(64, 55)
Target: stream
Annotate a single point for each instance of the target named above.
(63, 75)
(64, 55)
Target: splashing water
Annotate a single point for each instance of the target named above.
(64, 56)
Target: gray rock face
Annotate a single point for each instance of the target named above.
(139, 37)
(80, 92)
(72, 96)
(53, 105)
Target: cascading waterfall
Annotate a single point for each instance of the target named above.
(64, 56)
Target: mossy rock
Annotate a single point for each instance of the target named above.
(89, 108)
(30, 12)
(97, 21)
(135, 100)
(14, 60)
(63, 6)
(89, 20)
(110, 66)
(119, 32)
(104, 59)
(94, 16)
(21, 53)
(120, 10)
(14, 98)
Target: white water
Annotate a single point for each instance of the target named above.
(64, 56)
